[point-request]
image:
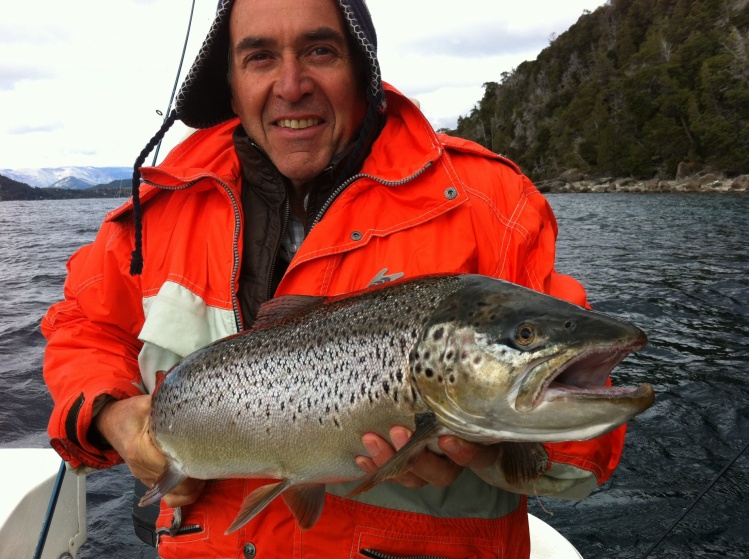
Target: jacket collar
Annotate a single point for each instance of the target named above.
(406, 145)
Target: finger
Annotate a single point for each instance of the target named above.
(380, 452)
(185, 493)
(429, 467)
(468, 454)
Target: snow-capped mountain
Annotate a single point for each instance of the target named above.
(62, 177)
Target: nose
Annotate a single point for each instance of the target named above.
(293, 83)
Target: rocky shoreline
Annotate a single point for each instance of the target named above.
(715, 183)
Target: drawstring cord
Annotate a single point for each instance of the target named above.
(136, 263)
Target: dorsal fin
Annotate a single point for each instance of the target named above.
(282, 307)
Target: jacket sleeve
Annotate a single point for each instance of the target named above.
(524, 218)
(92, 349)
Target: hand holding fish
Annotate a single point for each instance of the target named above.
(124, 424)
(427, 468)
(493, 463)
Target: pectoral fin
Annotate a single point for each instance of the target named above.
(426, 426)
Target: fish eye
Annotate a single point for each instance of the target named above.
(525, 334)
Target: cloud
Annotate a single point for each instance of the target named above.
(11, 75)
(24, 34)
(22, 129)
(482, 40)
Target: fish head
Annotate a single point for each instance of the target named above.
(501, 362)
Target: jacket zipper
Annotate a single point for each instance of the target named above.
(344, 185)
(235, 245)
(287, 211)
(380, 555)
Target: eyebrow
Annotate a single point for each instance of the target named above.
(319, 34)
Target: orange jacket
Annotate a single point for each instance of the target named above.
(423, 203)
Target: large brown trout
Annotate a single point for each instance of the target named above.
(472, 356)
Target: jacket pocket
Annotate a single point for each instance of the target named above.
(379, 544)
(352, 530)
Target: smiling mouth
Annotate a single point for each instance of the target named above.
(298, 124)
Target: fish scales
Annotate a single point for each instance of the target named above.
(480, 358)
(310, 383)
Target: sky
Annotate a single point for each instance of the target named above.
(81, 81)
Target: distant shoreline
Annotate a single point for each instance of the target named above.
(567, 183)
(574, 182)
(32, 193)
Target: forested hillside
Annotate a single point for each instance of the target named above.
(632, 89)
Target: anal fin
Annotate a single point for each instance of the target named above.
(426, 426)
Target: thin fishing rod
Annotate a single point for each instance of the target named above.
(50, 511)
(176, 79)
(690, 507)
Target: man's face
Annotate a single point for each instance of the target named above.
(293, 82)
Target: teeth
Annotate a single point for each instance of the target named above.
(298, 124)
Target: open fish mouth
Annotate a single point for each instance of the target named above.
(582, 376)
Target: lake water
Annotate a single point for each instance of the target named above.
(676, 265)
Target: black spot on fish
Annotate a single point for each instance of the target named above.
(438, 333)
(452, 379)
(429, 373)
(399, 376)
(418, 368)
(386, 387)
(477, 360)
(449, 355)
(335, 421)
(427, 356)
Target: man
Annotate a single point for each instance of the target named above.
(322, 152)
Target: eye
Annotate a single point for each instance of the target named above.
(321, 51)
(322, 54)
(525, 335)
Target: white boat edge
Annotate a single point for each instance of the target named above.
(29, 475)
(28, 480)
